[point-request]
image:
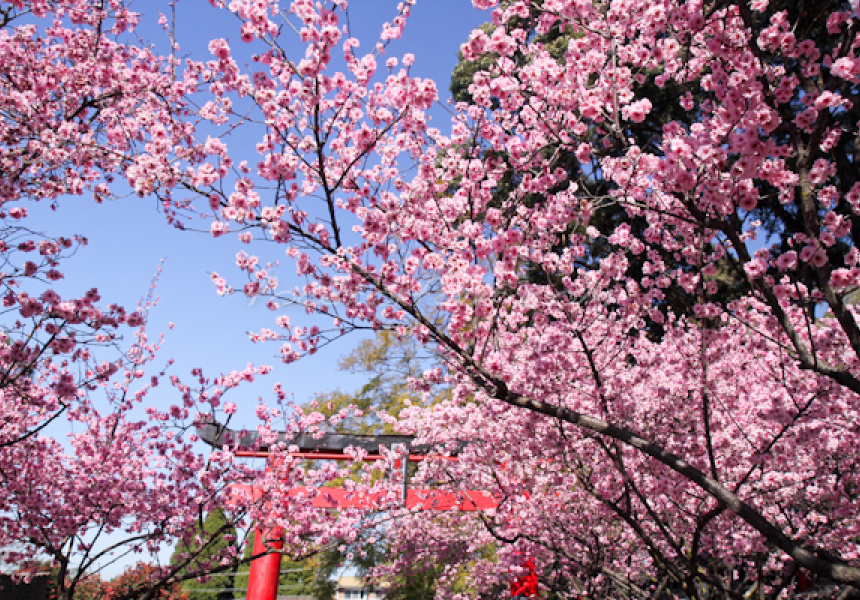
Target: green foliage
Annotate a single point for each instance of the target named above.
(216, 533)
(465, 71)
(389, 361)
(415, 585)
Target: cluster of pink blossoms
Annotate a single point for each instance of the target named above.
(87, 473)
(632, 250)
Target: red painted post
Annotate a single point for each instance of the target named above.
(526, 586)
(263, 580)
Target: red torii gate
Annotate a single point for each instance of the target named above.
(263, 579)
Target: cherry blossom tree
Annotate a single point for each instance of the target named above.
(90, 472)
(637, 447)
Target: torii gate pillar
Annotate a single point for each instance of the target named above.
(265, 570)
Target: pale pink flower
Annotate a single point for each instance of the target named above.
(637, 111)
(755, 268)
(787, 260)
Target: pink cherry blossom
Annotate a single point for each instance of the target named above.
(560, 248)
(637, 111)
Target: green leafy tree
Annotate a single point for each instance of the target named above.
(389, 362)
(419, 584)
(216, 534)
